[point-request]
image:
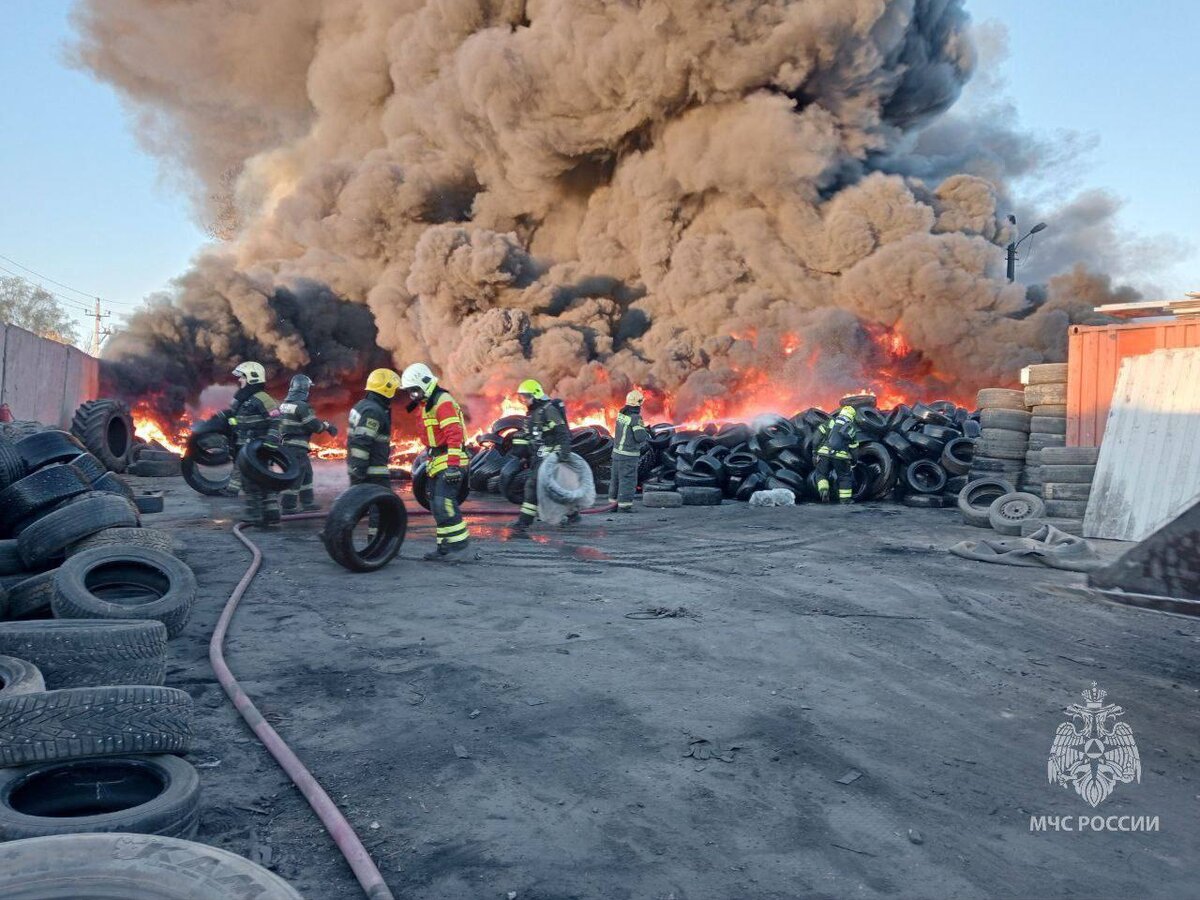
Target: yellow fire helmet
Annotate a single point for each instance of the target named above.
(253, 372)
(634, 398)
(848, 412)
(532, 388)
(383, 381)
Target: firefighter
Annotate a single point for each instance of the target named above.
(369, 440)
(249, 417)
(631, 437)
(445, 431)
(291, 430)
(546, 432)
(839, 436)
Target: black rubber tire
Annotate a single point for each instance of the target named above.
(1000, 398)
(39, 490)
(701, 496)
(692, 480)
(153, 538)
(1007, 512)
(941, 433)
(509, 423)
(1045, 394)
(12, 465)
(752, 483)
(997, 447)
(19, 676)
(929, 447)
(1070, 456)
(900, 447)
(268, 467)
(10, 559)
(1048, 424)
(114, 484)
(483, 466)
(348, 510)
(1042, 441)
(741, 464)
(925, 501)
(874, 472)
(662, 500)
(1067, 474)
(48, 447)
(957, 455)
(157, 468)
(954, 485)
(1066, 509)
(94, 721)
(871, 421)
(149, 502)
(152, 454)
(1044, 373)
(976, 499)
(710, 465)
(31, 596)
(48, 538)
(1008, 419)
(157, 795)
(132, 867)
(125, 583)
(80, 653)
(512, 486)
(1055, 490)
(200, 481)
(732, 435)
(793, 481)
(420, 484)
(105, 427)
(91, 467)
(924, 477)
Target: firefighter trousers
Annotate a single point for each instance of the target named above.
(841, 467)
(302, 494)
(622, 483)
(443, 503)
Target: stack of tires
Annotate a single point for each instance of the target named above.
(1067, 474)
(1046, 400)
(1004, 435)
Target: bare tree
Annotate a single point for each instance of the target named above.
(35, 309)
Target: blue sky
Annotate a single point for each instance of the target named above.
(81, 204)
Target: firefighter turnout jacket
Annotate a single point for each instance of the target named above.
(369, 441)
(445, 431)
(839, 436)
(631, 435)
(296, 423)
(546, 429)
(249, 416)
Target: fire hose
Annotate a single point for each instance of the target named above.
(339, 828)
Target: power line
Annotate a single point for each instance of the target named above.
(77, 304)
(87, 294)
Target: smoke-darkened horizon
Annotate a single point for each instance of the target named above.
(704, 199)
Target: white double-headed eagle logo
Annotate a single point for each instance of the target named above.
(1094, 751)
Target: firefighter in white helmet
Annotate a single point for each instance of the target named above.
(445, 431)
(248, 417)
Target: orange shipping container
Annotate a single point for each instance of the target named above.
(1094, 355)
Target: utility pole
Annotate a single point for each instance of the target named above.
(96, 317)
(1011, 251)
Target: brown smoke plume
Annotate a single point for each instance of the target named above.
(679, 194)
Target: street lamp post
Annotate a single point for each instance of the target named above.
(1012, 247)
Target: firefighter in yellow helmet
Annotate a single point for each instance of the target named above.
(839, 435)
(546, 432)
(369, 439)
(630, 438)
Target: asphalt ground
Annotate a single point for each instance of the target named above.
(840, 708)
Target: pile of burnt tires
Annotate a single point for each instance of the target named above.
(917, 455)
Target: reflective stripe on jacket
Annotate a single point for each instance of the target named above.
(369, 441)
(445, 431)
(631, 435)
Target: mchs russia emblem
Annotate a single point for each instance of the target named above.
(1094, 751)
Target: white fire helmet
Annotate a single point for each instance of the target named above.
(253, 372)
(418, 376)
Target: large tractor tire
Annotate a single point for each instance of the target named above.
(106, 429)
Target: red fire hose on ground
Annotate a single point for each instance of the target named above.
(331, 817)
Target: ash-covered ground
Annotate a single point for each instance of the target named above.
(866, 714)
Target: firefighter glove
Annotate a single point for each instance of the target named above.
(331, 429)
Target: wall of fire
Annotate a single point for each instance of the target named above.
(42, 379)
